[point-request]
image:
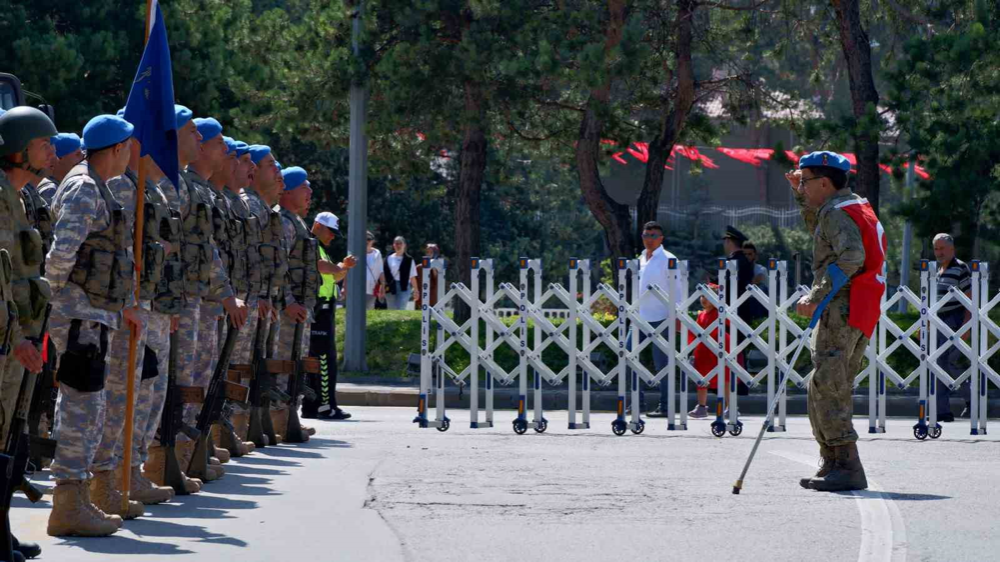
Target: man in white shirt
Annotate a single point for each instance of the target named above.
(759, 271)
(654, 264)
(373, 261)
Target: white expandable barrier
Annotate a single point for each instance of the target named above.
(571, 328)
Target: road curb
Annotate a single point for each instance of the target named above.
(602, 400)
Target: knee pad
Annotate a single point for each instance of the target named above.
(81, 366)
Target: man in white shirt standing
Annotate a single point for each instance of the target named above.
(373, 261)
(654, 269)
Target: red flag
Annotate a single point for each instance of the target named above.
(868, 285)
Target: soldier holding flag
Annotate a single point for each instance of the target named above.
(846, 233)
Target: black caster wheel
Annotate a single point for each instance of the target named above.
(542, 426)
(520, 426)
(718, 429)
(640, 427)
(934, 432)
(738, 430)
(444, 426)
(920, 432)
(619, 427)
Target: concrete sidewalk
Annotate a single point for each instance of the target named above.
(392, 393)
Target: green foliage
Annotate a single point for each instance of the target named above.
(945, 93)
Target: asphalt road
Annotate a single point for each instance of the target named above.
(378, 488)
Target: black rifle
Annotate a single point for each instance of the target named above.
(43, 402)
(299, 367)
(263, 389)
(219, 390)
(171, 422)
(14, 459)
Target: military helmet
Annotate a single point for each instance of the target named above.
(21, 125)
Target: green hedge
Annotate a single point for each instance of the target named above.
(393, 335)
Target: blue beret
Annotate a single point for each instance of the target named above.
(208, 127)
(294, 177)
(106, 130)
(241, 148)
(66, 143)
(2, 111)
(182, 114)
(258, 152)
(230, 145)
(825, 158)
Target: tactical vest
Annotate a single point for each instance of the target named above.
(103, 268)
(252, 232)
(196, 245)
(40, 216)
(303, 271)
(29, 292)
(275, 232)
(169, 297)
(155, 213)
(236, 226)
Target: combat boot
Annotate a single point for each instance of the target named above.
(117, 520)
(827, 456)
(279, 421)
(185, 452)
(219, 448)
(142, 490)
(107, 498)
(155, 467)
(72, 514)
(847, 473)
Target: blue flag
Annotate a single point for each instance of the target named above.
(150, 106)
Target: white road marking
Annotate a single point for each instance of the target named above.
(883, 535)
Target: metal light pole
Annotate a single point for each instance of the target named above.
(357, 215)
(904, 268)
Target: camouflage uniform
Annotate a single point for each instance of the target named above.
(303, 282)
(210, 309)
(243, 351)
(47, 190)
(837, 348)
(25, 292)
(155, 335)
(85, 310)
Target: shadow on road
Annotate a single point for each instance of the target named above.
(117, 544)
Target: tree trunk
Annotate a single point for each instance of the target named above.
(864, 96)
(677, 103)
(471, 173)
(613, 216)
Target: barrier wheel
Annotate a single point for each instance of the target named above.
(718, 428)
(444, 426)
(639, 428)
(934, 432)
(520, 426)
(542, 426)
(920, 432)
(619, 427)
(737, 430)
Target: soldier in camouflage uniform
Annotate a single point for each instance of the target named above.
(23, 292)
(303, 279)
(260, 197)
(91, 276)
(243, 351)
(69, 153)
(205, 277)
(26, 151)
(110, 451)
(819, 186)
(210, 163)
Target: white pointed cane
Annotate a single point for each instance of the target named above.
(839, 279)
